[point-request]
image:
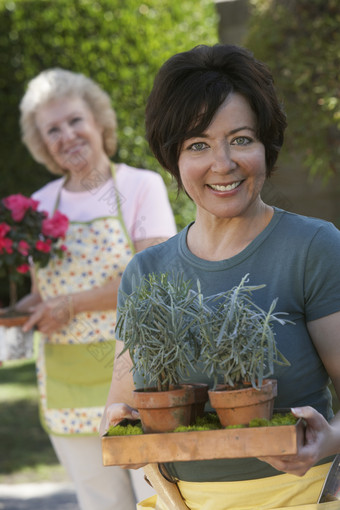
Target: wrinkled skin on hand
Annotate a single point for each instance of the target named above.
(49, 316)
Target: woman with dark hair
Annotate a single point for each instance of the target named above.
(214, 121)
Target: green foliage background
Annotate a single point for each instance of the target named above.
(120, 44)
(300, 41)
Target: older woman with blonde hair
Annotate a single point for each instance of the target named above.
(60, 83)
(69, 125)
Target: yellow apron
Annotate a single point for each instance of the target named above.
(280, 492)
(74, 365)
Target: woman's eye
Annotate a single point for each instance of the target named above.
(52, 131)
(197, 147)
(75, 120)
(241, 140)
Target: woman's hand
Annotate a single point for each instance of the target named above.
(24, 305)
(49, 316)
(115, 413)
(318, 440)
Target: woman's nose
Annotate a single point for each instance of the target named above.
(67, 133)
(223, 159)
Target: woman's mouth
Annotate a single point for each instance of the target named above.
(74, 148)
(227, 187)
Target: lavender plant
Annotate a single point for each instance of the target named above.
(158, 324)
(237, 339)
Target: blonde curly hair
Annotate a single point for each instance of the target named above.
(54, 84)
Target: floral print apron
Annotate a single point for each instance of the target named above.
(74, 365)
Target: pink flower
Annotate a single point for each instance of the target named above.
(44, 246)
(55, 226)
(23, 248)
(63, 247)
(18, 205)
(23, 268)
(4, 229)
(6, 245)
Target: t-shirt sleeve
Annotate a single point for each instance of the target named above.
(131, 277)
(322, 275)
(151, 215)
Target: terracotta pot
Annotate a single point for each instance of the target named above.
(163, 411)
(239, 406)
(200, 398)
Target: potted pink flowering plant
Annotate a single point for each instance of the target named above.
(27, 237)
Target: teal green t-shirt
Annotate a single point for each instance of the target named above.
(297, 258)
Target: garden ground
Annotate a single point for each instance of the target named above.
(31, 477)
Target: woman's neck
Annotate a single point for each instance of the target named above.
(88, 179)
(212, 238)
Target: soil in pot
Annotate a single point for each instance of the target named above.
(163, 411)
(240, 406)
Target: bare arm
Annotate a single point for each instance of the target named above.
(321, 438)
(325, 333)
(119, 402)
(52, 314)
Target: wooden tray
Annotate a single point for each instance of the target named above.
(204, 445)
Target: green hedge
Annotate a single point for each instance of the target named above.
(120, 44)
(300, 41)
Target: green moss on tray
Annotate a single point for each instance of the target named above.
(209, 422)
(125, 430)
(278, 419)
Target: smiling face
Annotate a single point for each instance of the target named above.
(223, 170)
(70, 133)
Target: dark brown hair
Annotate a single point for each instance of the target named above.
(191, 86)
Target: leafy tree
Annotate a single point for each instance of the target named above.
(300, 41)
